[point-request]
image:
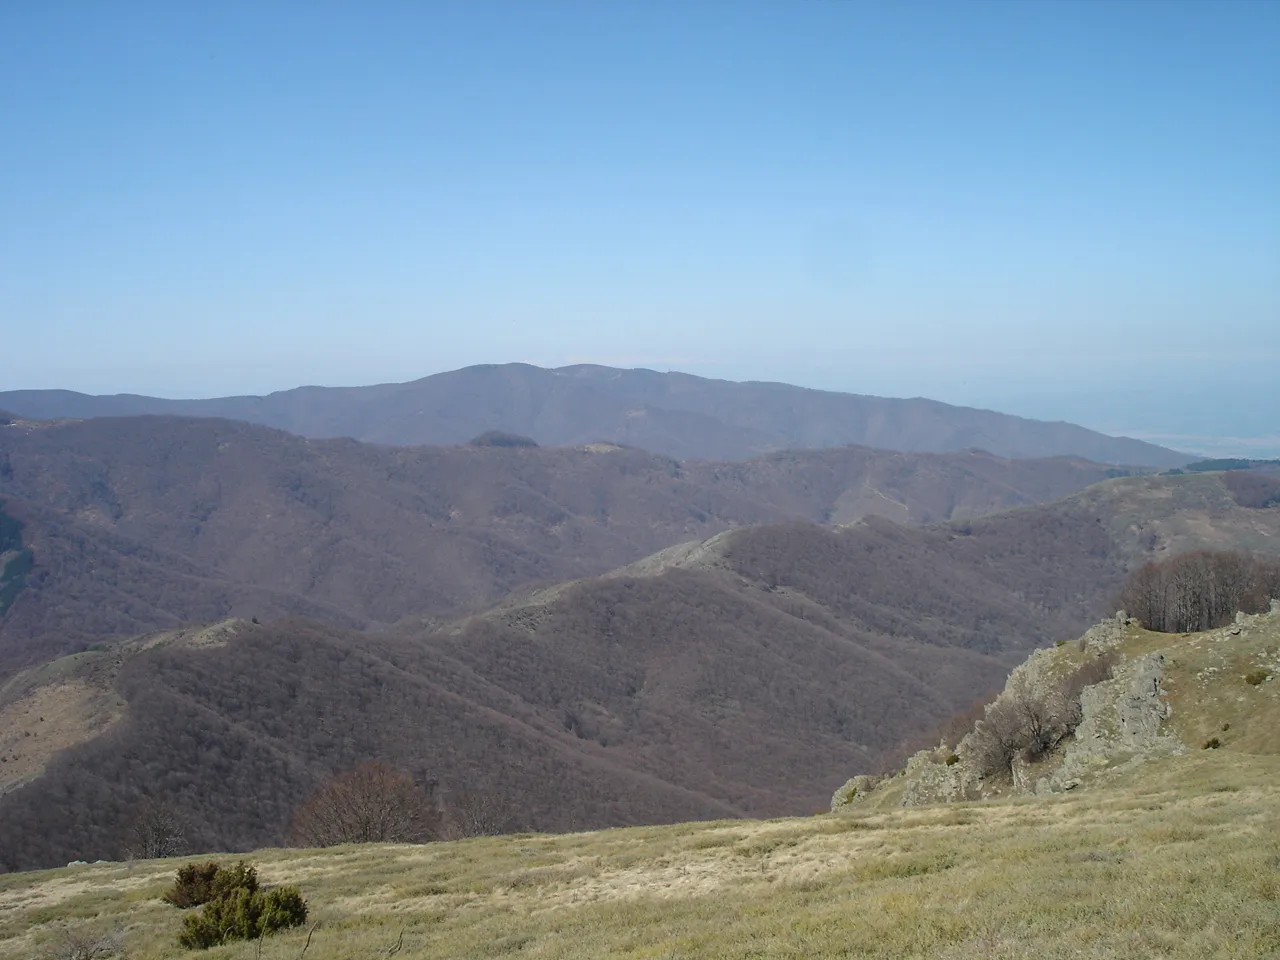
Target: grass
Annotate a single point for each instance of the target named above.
(1180, 860)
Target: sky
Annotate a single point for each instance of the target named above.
(1062, 210)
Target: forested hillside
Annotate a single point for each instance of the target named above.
(146, 523)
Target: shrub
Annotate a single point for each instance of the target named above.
(1213, 743)
(1255, 677)
(243, 915)
(77, 943)
(201, 883)
(193, 886)
(1029, 723)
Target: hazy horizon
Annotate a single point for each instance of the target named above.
(1057, 210)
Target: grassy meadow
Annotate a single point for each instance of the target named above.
(1182, 860)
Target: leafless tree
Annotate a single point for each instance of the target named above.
(156, 831)
(474, 813)
(372, 803)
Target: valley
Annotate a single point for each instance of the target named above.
(1175, 857)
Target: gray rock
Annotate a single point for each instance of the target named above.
(854, 789)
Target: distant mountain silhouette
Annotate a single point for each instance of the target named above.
(675, 414)
(145, 523)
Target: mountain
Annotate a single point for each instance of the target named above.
(117, 526)
(675, 414)
(742, 675)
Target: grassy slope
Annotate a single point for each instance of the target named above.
(1180, 858)
(1182, 861)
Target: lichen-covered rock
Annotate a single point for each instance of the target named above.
(1121, 725)
(854, 789)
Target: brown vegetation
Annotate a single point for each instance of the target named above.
(1254, 490)
(742, 681)
(156, 830)
(371, 803)
(1029, 723)
(148, 523)
(1200, 590)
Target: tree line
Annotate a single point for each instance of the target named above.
(1200, 590)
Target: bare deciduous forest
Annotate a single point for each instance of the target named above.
(145, 523)
(1200, 590)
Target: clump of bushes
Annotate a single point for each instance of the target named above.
(193, 886)
(1257, 491)
(1255, 677)
(243, 916)
(235, 906)
(1029, 723)
(1213, 743)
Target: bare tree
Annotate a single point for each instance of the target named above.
(156, 831)
(474, 813)
(372, 803)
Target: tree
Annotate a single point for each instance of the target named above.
(156, 831)
(372, 803)
(474, 813)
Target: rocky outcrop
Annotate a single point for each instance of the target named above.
(1120, 722)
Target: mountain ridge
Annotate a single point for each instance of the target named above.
(676, 414)
(144, 523)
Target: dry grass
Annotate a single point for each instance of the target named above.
(1182, 860)
(1205, 676)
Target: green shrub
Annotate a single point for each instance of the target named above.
(242, 876)
(1255, 677)
(243, 915)
(1213, 743)
(201, 883)
(193, 886)
(952, 759)
(284, 908)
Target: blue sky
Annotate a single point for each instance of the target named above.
(1058, 209)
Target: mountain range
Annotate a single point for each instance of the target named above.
(218, 615)
(676, 414)
(744, 674)
(144, 523)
